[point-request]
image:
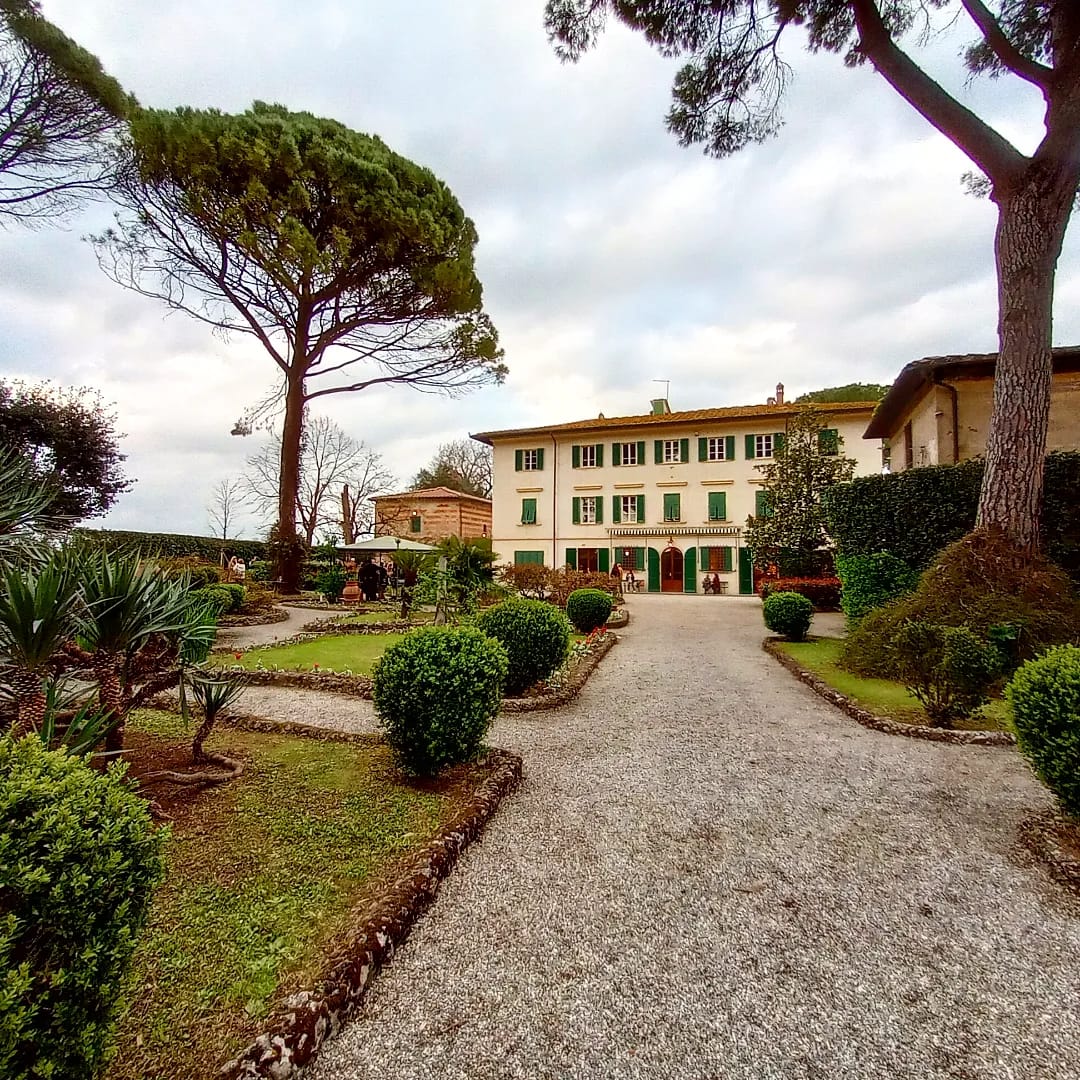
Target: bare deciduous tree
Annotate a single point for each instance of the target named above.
(329, 458)
(226, 498)
(463, 465)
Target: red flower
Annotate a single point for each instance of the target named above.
(238, 655)
(315, 665)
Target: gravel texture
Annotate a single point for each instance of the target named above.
(709, 872)
(242, 637)
(315, 707)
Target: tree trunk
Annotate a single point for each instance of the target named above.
(111, 697)
(288, 568)
(1031, 227)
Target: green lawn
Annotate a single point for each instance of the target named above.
(337, 652)
(880, 696)
(262, 874)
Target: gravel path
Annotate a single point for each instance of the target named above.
(709, 872)
(242, 637)
(316, 707)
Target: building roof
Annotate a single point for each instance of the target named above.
(434, 493)
(671, 419)
(932, 369)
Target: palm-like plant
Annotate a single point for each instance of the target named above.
(41, 610)
(26, 511)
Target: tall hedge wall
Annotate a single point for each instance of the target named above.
(915, 513)
(172, 544)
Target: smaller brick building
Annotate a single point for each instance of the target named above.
(432, 514)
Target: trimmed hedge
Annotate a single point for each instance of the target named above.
(588, 609)
(173, 544)
(870, 581)
(916, 513)
(1044, 696)
(535, 634)
(788, 613)
(436, 692)
(79, 860)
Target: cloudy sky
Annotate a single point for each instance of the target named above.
(610, 256)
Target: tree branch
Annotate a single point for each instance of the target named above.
(1009, 55)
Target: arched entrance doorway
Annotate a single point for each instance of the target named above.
(671, 570)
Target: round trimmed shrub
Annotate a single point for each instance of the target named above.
(1044, 696)
(79, 860)
(788, 613)
(215, 597)
(535, 634)
(236, 595)
(436, 692)
(588, 609)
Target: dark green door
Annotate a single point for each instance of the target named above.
(746, 572)
(654, 570)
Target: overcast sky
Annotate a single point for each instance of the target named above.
(610, 257)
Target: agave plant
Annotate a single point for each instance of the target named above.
(73, 722)
(214, 694)
(41, 610)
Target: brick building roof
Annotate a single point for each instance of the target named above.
(433, 493)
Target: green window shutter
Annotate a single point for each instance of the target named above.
(571, 558)
(576, 512)
(777, 442)
(639, 558)
(518, 463)
(575, 456)
(658, 451)
(671, 506)
(718, 506)
(689, 571)
(641, 452)
(703, 558)
(749, 447)
(728, 557)
(641, 509)
(616, 510)
(684, 450)
(761, 504)
(603, 560)
(703, 449)
(528, 511)
(729, 447)
(599, 455)
(616, 453)
(653, 584)
(599, 509)
(829, 441)
(540, 459)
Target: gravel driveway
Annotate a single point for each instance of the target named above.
(710, 872)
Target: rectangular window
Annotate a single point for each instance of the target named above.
(909, 446)
(528, 558)
(528, 511)
(829, 441)
(671, 451)
(629, 453)
(632, 558)
(530, 460)
(718, 506)
(588, 510)
(588, 457)
(762, 504)
(631, 508)
(415, 523)
(717, 560)
(763, 446)
(717, 449)
(672, 508)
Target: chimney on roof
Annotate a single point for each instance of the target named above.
(660, 406)
(770, 401)
(779, 393)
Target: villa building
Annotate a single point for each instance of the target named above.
(938, 410)
(432, 514)
(666, 493)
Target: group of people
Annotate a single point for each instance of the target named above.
(714, 585)
(373, 580)
(626, 578)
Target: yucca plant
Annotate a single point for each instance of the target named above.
(41, 610)
(73, 722)
(27, 514)
(214, 694)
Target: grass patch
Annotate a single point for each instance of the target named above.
(262, 875)
(416, 618)
(340, 652)
(883, 697)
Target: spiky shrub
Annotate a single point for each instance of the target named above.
(1044, 696)
(535, 634)
(788, 613)
(588, 609)
(79, 860)
(436, 692)
(948, 669)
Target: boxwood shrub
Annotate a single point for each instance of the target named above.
(588, 609)
(1045, 699)
(79, 860)
(535, 634)
(788, 613)
(436, 692)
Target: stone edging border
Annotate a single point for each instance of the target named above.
(331, 626)
(1040, 834)
(267, 618)
(304, 1020)
(552, 699)
(618, 619)
(881, 723)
